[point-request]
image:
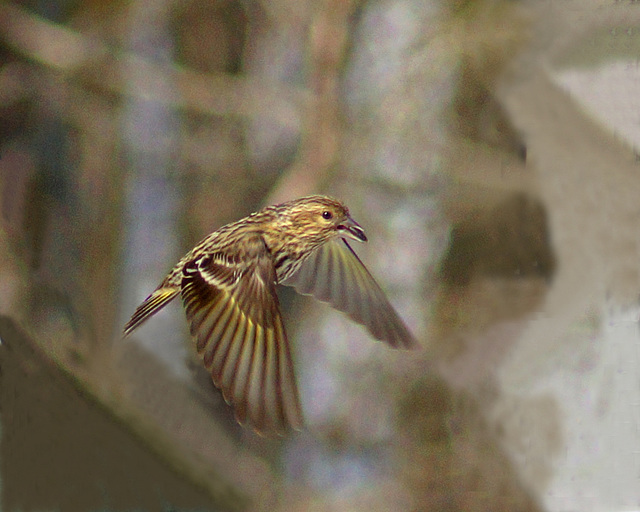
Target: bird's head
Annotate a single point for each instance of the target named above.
(322, 218)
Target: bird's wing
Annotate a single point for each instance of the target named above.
(333, 273)
(234, 314)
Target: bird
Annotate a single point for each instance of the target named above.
(228, 285)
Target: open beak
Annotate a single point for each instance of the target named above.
(351, 229)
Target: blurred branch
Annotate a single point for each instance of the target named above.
(104, 68)
(327, 46)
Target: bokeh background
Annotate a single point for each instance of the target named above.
(490, 150)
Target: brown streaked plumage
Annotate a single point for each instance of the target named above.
(228, 288)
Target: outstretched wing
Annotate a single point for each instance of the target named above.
(333, 273)
(233, 311)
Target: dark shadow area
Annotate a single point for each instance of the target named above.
(60, 450)
(511, 239)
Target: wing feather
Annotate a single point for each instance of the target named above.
(333, 273)
(234, 315)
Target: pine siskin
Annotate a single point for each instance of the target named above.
(228, 288)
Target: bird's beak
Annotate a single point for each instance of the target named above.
(351, 229)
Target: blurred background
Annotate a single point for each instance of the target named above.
(489, 148)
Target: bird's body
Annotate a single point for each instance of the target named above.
(228, 287)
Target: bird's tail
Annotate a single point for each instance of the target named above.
(151, 305)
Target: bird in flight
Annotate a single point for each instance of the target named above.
(228, 288)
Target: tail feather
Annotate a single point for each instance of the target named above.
(151, 305)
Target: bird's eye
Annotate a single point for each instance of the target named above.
(327, 215)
